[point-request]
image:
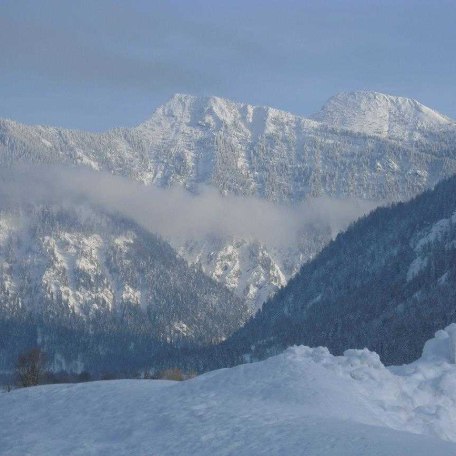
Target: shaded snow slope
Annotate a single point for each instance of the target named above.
(304, 401)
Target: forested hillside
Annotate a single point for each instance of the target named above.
(387, 283)
(97, 292)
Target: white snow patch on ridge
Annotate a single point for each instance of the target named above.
(436, 233)
(304, 401)
(416, 266)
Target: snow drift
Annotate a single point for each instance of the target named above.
(304, 401)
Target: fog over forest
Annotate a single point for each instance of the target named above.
(175, 213)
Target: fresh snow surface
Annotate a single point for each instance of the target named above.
(302, 402)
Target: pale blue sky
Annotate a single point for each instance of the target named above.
(97, 64)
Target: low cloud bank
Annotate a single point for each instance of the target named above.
(177, 214)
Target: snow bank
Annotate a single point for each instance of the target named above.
(304, 401)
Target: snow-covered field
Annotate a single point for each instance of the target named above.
(302, 402)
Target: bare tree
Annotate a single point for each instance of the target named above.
(30, 367)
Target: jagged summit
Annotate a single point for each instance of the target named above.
(196, 110)
(376, 113)
(182, 100)
(368, 112)
(214, 112)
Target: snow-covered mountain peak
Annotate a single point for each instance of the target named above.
(367, 112)
(375, 113)
(203, 113)
(182, 105)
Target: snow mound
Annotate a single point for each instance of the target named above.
(375, 113)
(304, 401)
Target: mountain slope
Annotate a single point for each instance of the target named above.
(84, 285)
(387, 284)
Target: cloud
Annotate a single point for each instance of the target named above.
(112, 45)
(62, 58)
(176, 214)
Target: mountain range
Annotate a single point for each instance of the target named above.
(361, 147)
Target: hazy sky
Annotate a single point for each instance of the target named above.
(96, 64)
